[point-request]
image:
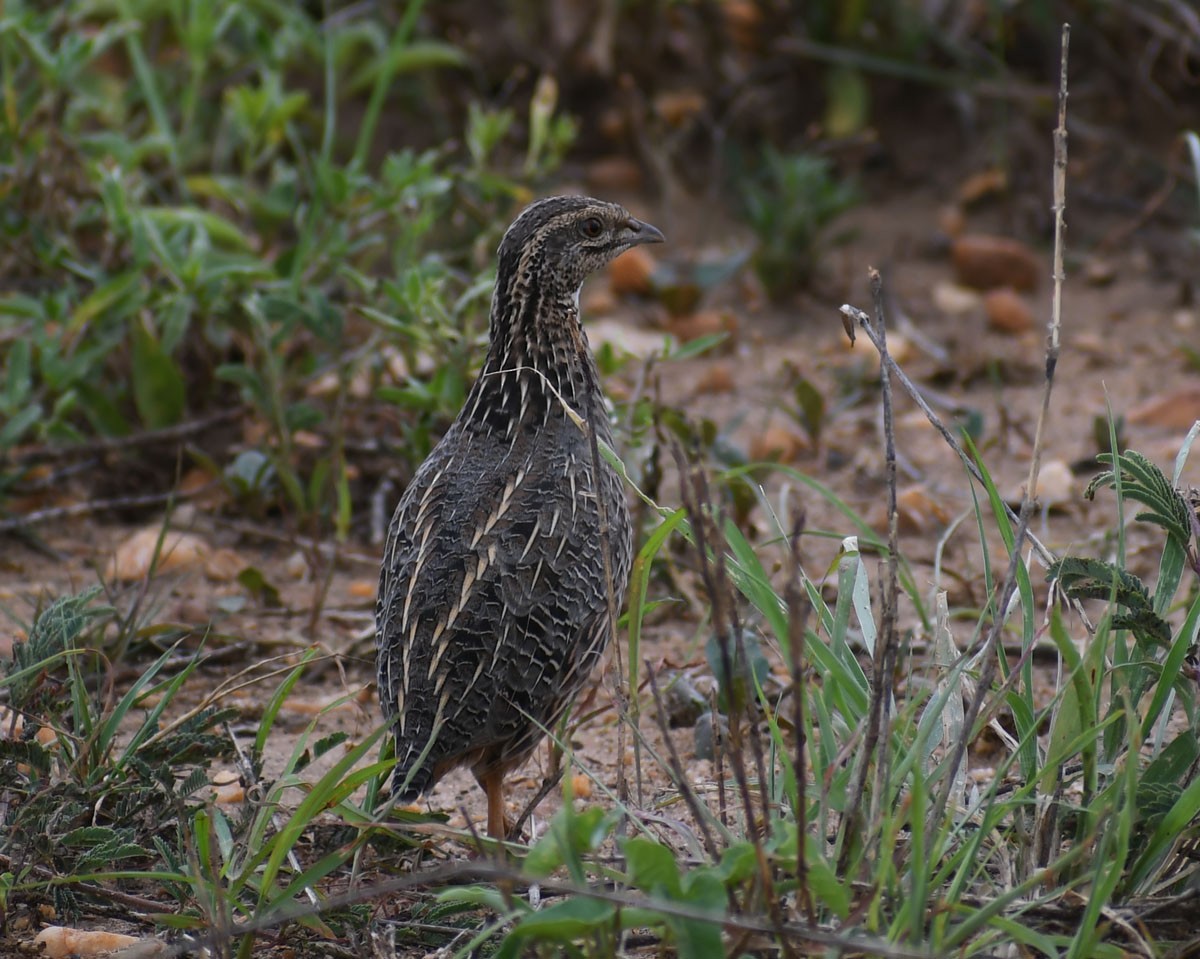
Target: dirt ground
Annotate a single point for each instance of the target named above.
(1127, 314)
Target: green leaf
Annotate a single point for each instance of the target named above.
(1145, 483)
(652, 866)
(1081, 577)
(562, 922)
(158, 387)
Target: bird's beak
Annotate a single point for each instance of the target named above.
(639, 232)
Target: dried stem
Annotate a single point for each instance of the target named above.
(990, 655)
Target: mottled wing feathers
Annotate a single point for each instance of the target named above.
(490, 603)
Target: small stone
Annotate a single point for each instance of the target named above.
(986, 262)
(705, 740)
(1056, 483)
(296, 566)
(954, 300)
(1056, 486)
(1007, 311)
(631, 272)
(1099, 272)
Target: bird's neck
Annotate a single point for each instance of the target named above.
(538, 360)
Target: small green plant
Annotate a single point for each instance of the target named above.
(790, 205)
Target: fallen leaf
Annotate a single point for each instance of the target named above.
(952, 221)
(1174, 409)
(743, 20)
(616, 174)
(631, 272)
(986, 262)
(703, 323)
(954, 300)
(599, 301)
(718, 378)
(918, 511)
(779, 443)
(624, 339)
(363, 589)
(58, 942)
(1007, 311)
(134, 557)
(980, 185)
(224, 565)
(581, 787)
(676, 107)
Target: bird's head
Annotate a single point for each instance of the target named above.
(557, 242)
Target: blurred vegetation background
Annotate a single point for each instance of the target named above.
(271, 223)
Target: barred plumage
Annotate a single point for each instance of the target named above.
(493, 602)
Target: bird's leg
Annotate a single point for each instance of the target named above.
(493, 784)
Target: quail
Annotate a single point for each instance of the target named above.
(513, 536)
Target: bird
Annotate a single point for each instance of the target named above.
(509, 551)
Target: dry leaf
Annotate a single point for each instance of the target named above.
(363, 589)
(1175, 409)
(777, 442)
(954, 300)
(676, 107)
(918, 511)
(718, 378)
(703, 323)
(599, 301)
(631, 272)
(615, 174)
(224, 565)
(1007, 311)
(986, 262)
(981, 185)
(58, 942)
(952, 221)
(134, 557)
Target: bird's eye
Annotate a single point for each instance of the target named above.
(591, 227)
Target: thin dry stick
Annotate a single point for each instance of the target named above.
(852, 315)
(247, 769)
(115, 444)
(891, 585)
(696, 498)
(989, 655)
(457, 873)
(884, 657)
(11, 524)
(699, 812)
(798, 609)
